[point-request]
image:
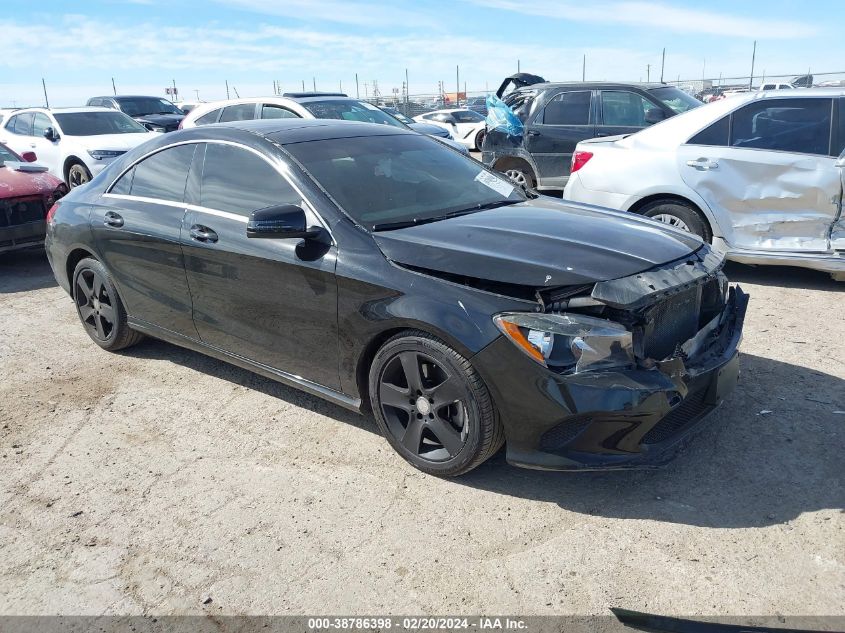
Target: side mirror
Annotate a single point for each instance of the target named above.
(654, 115)
(284, 221)
(50, 134)
(29, 157)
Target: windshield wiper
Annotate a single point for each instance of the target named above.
(403, 224)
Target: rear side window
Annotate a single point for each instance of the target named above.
(624, 108)
(242, 112)
(715, 134)
(238, 181)
(839, 141)
(270, 111)
(568, 108)
(211, 117)
(21, 124)
(785, 125)
(162, 175)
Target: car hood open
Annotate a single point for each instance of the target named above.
(538, 243)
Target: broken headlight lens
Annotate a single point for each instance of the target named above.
(569, 341)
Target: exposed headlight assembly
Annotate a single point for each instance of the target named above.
(569, 341)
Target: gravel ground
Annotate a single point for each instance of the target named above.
(147, 481)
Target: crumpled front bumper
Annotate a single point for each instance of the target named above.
(609, 420)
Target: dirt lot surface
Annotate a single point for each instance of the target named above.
(148, 481)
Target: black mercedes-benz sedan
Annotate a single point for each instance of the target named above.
(383, 271)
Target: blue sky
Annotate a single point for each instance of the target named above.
(144, 44)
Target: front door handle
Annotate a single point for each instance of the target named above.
(203, 234)
(113, 219)
(703, 164)
(533, 133)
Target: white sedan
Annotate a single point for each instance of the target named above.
(466, 126)
(756, 174)
(74, 143)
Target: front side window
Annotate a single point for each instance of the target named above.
(785, 125)
(240, 112)
(270, 111)
(97, 123)
(568, 108)
(467, 116)
(40, 123)
(715, 134)
(623, 108)
(238, 181)
(350, 110)
(381, 181)
(8, 155)
(163, 175)
(211, 117)
(839, 141)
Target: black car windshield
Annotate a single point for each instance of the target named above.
(350, 110)
(386, 181)
(676, 98)
(142, 106)
(7, 155)
(96, 123)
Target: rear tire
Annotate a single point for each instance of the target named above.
(679, 215)
(521, 175)
(432, 406)
(99, 307)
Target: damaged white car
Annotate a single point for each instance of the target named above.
(758, 175)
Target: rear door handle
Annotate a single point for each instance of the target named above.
(533, 133)
(703, 164)
(113, 219)
(203, 234)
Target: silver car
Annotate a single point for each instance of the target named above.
(758, 174)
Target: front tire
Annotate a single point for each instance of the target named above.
(679, 215)
(522, 176)
(99, 307)
(432, 406)
(77, 174)
(479, 139)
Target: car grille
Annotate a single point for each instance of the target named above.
(690, 410)
(671, 323)
(18, 211)
(559, 436)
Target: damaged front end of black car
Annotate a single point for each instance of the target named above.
(617, 374)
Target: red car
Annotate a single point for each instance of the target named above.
(27, 192)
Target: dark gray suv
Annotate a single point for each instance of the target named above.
(557, 116)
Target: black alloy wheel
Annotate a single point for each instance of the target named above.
(99, 307)
(432, 406)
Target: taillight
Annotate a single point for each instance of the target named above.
(579, 159)
(52, 212)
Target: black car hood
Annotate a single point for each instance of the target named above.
(538, 243)
(164, 120)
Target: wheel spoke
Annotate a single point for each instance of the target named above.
(85, 312)
(98, 323)
(446, 434)
(83, 285)
(107, 312)
(98, 286)
(412, 437)
(447, 392)
(394, 396)
(411, 366)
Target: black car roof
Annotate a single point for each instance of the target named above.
(284, 131)
(592, 85)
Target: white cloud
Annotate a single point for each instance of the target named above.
(656, 15)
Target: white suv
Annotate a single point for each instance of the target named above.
(74, 143)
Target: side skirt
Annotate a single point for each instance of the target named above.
(291, 380)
